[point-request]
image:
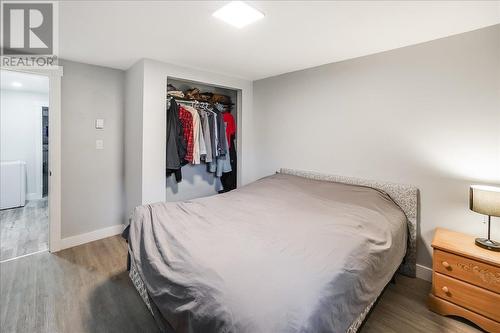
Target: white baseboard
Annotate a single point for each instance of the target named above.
(424, 272)
(91, 236)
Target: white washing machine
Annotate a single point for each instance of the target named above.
(12, 184)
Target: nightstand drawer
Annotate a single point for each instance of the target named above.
(475, 272)
(466, 295)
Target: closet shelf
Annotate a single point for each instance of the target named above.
(180, 99)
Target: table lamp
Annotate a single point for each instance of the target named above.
(486, 200)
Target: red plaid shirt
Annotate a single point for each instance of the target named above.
(187, 124)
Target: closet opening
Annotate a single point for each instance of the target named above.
(202, 139)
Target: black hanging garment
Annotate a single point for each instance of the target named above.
(228, 179)
(176, 144)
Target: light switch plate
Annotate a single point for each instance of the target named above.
(99, 144)
(99, 123)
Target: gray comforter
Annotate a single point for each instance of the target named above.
(282, 254)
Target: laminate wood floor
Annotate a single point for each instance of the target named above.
(24, 230)
(87, 289)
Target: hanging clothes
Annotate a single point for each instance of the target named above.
(228, 178)
(207, 135)
(173, 160)
(230, 126)
(201, 141)
(223, 161)
(187, 124)
(214, 133)
(196, 133)
(176, 145)
(221, 134)
(212, 165)
(201, 132)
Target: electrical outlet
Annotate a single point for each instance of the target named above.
(99, 144)
(99, 123)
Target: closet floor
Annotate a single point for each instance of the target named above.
(24, 230)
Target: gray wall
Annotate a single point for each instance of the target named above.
(427, 115)
(92, 180)
(134, 87)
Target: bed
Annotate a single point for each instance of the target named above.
(293, 252)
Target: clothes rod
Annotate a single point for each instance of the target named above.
(185, 101)
(178, 100)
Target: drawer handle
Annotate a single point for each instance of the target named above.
(445, 290)
(446, 265)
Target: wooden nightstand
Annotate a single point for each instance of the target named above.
(465, 280)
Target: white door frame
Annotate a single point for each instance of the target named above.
(54, 74)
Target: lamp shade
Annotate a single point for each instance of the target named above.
(485, 200)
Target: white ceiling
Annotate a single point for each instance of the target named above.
(294, 34)
(29, 82)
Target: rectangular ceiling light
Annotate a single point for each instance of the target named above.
(238, 14)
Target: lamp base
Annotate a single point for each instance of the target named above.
(488, 244)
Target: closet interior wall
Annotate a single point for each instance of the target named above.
(196, 181)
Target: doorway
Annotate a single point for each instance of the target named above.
(24, 168)
(45, 151)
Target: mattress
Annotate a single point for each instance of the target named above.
(283, 254)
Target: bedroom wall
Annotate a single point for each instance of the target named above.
(134, 87)
(92, 181)
(21, 134)
(427, 115)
